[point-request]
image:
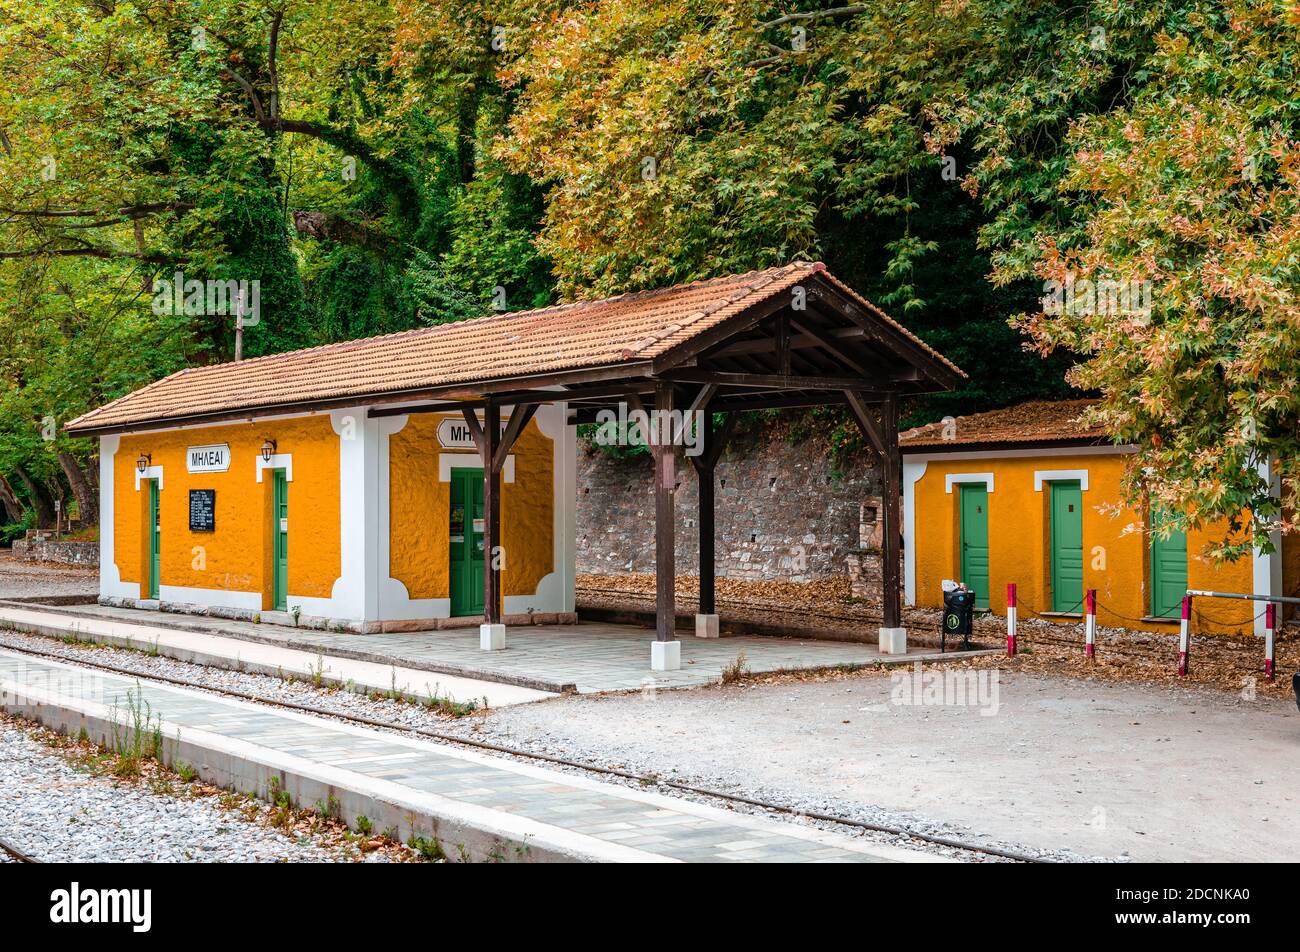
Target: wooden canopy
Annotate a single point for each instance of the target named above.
(812, 343)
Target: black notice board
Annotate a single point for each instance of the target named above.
(203, 510)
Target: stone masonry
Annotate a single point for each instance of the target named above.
(782, 512)
(40, 549)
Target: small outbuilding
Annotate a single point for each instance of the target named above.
(1031, 495)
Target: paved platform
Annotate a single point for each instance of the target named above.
(587, 657)
(262, 657)
(477, 806)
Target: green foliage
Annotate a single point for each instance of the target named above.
(386, 165)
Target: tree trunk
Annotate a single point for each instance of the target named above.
(467, 109)
(87, 501)
(13, 508)
(39, 498)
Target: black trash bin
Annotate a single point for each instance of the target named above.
(958, 611)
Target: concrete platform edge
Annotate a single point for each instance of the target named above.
(465, 831)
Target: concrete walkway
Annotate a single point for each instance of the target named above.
(262, 657)
(587, 657)
(476, 806)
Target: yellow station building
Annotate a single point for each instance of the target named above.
(337, 518)
(1031, 496)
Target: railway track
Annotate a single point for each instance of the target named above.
(18, 855)
(598, 770)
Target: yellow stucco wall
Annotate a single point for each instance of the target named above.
(237, 556)
(420, 509)
(1116, 563)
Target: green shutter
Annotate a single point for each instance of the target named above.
(1067, 546)
(465, 548)
(280, 535)
(975, 542)
(155, 542)
(1168, 570)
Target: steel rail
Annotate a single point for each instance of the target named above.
(16, 853)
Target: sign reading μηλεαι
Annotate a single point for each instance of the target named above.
(455, 434)
(208, 459)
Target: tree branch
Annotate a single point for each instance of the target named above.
(117, 216)
(247, 87)
(88, 251)
(815, 15)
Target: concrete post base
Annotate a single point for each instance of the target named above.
(665, 655)
(893, 641)
(491, 637)
(706, 626)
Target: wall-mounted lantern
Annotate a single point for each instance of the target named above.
(268, 450)
(143, 462)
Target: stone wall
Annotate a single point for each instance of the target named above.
(782, 511)
(51, 550)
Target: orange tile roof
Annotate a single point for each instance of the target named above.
(1042, 421)
(587, 334)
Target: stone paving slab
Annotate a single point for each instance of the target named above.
(587, 657)
(478, 806)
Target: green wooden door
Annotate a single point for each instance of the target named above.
(1067, 546)
(1168, 570)
(280, 535)
(975, 542)
(155, 541)
(466, 536)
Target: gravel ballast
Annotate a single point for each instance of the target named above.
(56, 811)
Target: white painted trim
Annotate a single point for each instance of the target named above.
(282, 461)
(354, 595)
(912, 473)
(922, 457)
(210, 597)
(1266, 568)
(150, 472)
(449, 461)
(110, 578)
(967, 479)
(1060, 475)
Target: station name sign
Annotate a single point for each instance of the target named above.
(208, 459)
(455, 435)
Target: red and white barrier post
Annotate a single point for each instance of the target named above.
(1184, 636)
(1270, 623)
(1011, 619)
(1090, 622)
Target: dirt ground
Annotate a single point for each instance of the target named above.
(1148, 772)
(20, 578)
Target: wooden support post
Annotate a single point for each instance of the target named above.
(491, 514)
(879, 424)
(891, 458)
(712, 441)
(704, 474)
(665, 485)
(493, 449)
